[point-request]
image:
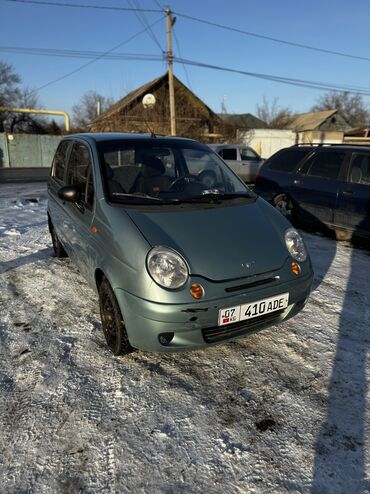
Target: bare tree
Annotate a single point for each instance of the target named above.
(84, 112)
(26, 122)
(351, 107)
(275, 116)
(9, 90)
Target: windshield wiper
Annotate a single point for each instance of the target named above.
(138, 195)
(211, 197)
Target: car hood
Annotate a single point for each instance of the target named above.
(220, 243)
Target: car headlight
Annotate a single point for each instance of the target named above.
(167, 267)
(295, 245)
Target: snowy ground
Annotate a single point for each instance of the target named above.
(285, 410)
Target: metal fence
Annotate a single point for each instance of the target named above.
(26, 156)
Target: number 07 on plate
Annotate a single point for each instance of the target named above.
(253, 309)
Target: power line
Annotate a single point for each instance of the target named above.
(55, 52)
(275, 40)
(184, 66)
(203, 21)
(82, 6)
(142, 19)
(58, 79)
(284, 80)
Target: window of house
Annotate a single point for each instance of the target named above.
(59, 161)
(79, 172)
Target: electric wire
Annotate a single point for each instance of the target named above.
(82, 6)
(285, 80)
(142, 19)
(55, 52)
(58, 79)
(271, 38)
(203, 21)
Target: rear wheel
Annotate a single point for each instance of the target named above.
(284, 204)
(57, 246)
(112, 321)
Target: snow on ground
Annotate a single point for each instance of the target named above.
(285, 410)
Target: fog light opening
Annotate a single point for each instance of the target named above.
(196, 290)
(295, 268)
(165, 338)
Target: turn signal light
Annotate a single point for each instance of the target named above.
(196, 290)
(295, 268)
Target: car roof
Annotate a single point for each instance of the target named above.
(351, 147)
(109, 136)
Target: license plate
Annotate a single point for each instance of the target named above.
(252, 309)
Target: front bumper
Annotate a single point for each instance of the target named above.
(195, 325)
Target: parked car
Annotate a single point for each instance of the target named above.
(177, 265)
(243, 160)
(325, 184)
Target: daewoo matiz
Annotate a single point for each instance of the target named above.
(181, 257)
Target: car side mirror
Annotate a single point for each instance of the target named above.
(70, 193)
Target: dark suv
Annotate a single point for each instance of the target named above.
(325, 184)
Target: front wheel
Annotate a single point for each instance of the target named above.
(284, 204)
(112, 321)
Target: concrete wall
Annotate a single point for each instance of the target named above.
(27, 150)
(26, 156)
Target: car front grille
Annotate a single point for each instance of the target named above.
(220, 333)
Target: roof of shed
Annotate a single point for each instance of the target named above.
(309, 121)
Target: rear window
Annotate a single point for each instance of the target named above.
(288, 160)
(326, 165)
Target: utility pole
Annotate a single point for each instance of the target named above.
(170, 22)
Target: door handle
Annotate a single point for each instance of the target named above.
(296, 182)
(348, 192)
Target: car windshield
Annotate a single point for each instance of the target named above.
(160, 171)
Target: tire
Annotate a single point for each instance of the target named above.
(342, 235)
(57, 245)
(284, 204)
(112, 321)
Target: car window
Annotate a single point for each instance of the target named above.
(79, 172)
(326, 164)
(59, 161)
(359, 172)
(165, 171)
(248, 154)
(287, 160)
(228, 154)
(204, 166)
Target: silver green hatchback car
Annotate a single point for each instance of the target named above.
(181, 252)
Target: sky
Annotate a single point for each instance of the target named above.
(338, 26)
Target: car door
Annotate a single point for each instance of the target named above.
(315, 186)
(79, 216)
(353, 208)
(56, 181)
(232, 158)
(250, 162)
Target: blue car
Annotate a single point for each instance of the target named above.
(329, 185)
